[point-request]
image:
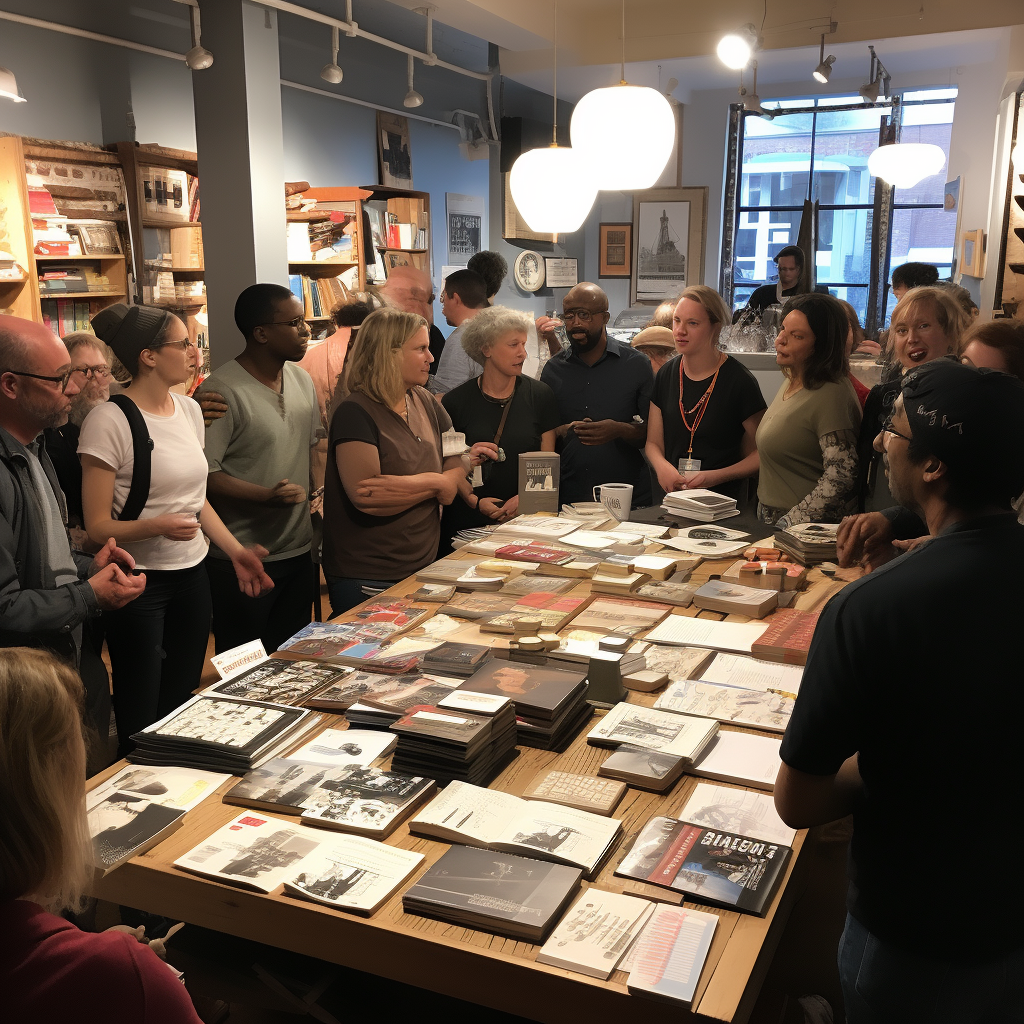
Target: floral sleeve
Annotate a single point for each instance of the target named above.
(835, 493)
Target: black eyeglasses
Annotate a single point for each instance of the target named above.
(296, 323)
(61, 380)
(887, 430)
(184, 345)
(100, 372)
(584, 316)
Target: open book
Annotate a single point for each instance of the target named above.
(665, 731)
(505, 823)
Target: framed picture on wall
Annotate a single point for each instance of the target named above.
(393, 150)
(670, 231)
(560, 272)
(615, 250)
(528, 270)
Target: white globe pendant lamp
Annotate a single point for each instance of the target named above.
(904, 164)
(552, 188)
(606, 116)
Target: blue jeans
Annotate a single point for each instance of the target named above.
(885, 984)
(345, 592)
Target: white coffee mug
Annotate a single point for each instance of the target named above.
(617, 498)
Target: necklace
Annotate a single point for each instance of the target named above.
(700, 407)
(494, 398)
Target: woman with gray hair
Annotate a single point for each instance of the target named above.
(503, 413)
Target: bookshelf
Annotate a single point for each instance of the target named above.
(402, 216)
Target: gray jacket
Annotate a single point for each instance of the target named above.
(34, 612)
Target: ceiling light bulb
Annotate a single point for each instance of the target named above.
(198, 58)
(734, 51)
(552, 189)
(824, 70)
(904, 164)
(9, 86)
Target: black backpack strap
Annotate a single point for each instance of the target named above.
(142, 445)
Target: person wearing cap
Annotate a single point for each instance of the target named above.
(656, 343)
(885, 706)
(706, 404)
(158, 644)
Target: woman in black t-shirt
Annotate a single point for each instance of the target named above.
(501, 412)
(706, 405)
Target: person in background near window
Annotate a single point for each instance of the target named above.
(926, 324)
(258, 456)
(790, 263)
(890, 679)
(657, 344)
(854, 339)
(49, 970)
(492, 267)
(912, 275)
(706, 405)
(603, 389)
(463, 296)
(503, 414)
(807, 439)
(963, 298)
(157, 644)
(386, 477)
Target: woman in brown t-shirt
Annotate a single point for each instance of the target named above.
(386, 478)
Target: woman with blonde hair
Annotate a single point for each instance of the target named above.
(49, 970)
(706, 405)
(386, 476)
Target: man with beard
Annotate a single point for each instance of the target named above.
(603, 390)
(887, 699)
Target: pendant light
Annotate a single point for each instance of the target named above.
(331, 72)
(9, 86)
(412, 97)
(736, 49)
(553, 188)
(823, 72)
(904, 164)
(604, 118)
(199, 57)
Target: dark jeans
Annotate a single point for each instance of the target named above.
(346, 592)
(272, 617)
(885, 984)
(157, 646)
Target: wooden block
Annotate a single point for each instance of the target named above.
(645, 681)
(550, 641)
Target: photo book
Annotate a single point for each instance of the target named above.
(758, 709)
(664, 731)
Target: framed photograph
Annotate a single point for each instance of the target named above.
(560, 272)
(615, 250)
(400, 258)
(465, 226)
(98, 237)
(972, 253)
(670, 228)
(393, 150)
(529, 271)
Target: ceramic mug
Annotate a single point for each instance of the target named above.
(617, 498)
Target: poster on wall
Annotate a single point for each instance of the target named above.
(560, 272)
(615, 250)
(465, 226)
(393, 150)
(669, 227)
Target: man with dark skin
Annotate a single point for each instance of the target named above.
(604, 391)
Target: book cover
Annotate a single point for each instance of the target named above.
(678, 662)
(278, 785)
(733, 598)
(461, 729)
(534, 553)
(279, 681)
(552, 611)
(124, 825)
(737, 810)
(584, 792)
(478, 605)
(740, 757)
(665, 731)
(538, 482)
(355, 687)
(418, 690)
(670, 954)
(321, 639)
(384, 618)
(458, 656)
(787, 638)
(639, 766)
(620, 616)
(720, 868)
(758, 709)
(537, 691)
(527, 584)
(183, 788)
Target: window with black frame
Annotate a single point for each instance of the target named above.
(818, 150)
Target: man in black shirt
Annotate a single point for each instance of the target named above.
(908, 718)
(790, 262)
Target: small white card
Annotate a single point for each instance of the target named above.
(470, 700)
(230, 663)
(431, 717)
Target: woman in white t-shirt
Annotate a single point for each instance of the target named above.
(157, 648)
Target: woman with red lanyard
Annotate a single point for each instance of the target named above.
(706, 405)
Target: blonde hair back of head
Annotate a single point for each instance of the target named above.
(44, 841)
(373, 369)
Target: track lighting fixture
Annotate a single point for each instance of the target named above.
(878, 80)
(9, 86)
(199, 57)
(823, 71)
(736, 49)
(412, 97)
(331, 72)
(751, 101)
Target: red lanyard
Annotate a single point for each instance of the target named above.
(700, 408)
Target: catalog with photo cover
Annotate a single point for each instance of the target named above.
(479, 604)
(551, 611)
(709, 866)
(737, 810)
(418, 689)
(499, 821)
(538, 691)
(384, 618)
(665, 731)
(346, 748)
(183, 788)
(643, 768)
(280, 681)
(353, 687)
(124, 825)
(397, 656)
(321, 639)
(620, 616)
(278, 785)
(670, 954)
(755, 708)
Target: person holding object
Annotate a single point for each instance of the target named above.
(807, 440)
(47, 589)
(871, 723)
(502, 414)
(386, 476)
(158, 644)
(51, 971)
(603, 389)
(706, 405)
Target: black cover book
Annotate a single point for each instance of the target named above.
(537, 691)
(280, 681)
(496, 892)
(720, 868)
(461, 659)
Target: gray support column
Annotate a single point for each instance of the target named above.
(241, 161)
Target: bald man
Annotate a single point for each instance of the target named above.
(412, 291)
(603, 390)
(47, 590)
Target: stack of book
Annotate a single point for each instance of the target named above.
(447, 744)
(455, 659)
(280, 681)
(787, 638)
(382, 707)
(460, 572)
(707, 506)
(735, 599)
(550, 703)
(50, 235)
(809, 543)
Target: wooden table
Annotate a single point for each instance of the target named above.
(472, 965)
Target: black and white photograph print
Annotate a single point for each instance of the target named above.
(669, 228)
(393, 149)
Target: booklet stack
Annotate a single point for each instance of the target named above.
(448, 743)
(809, 543)
(381, 709)
(707, 506)
(550, 703)
(455, 659)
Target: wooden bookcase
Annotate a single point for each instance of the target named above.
(399, 201)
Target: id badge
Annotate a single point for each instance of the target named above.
(689, 465)
(478, 477)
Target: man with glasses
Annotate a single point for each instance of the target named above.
(889, 726)
(47, 590)
(258, 454)
(603, 390)
(463, 296)
(411, 290)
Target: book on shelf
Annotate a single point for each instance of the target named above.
(737, 810)
(668, 957)
(741, 758)
(536, 612)
(263, 854)
(495, 892)
(666, 731)
(501, 822)
(709, 866)
(752, 674)
(584, 792)
(757, 709)
(643, 768)
(596, 933)
(279, 681)
(123, 825)
(620, 617)
(735, 599)
(787, 638)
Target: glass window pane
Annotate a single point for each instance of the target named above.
(844, 247)
(931, 123)
(761, 235)
(838, 101)
(930, 94)
(844, 139)
(922, 236)
(741, 295)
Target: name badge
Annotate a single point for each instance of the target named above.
(689, 465)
